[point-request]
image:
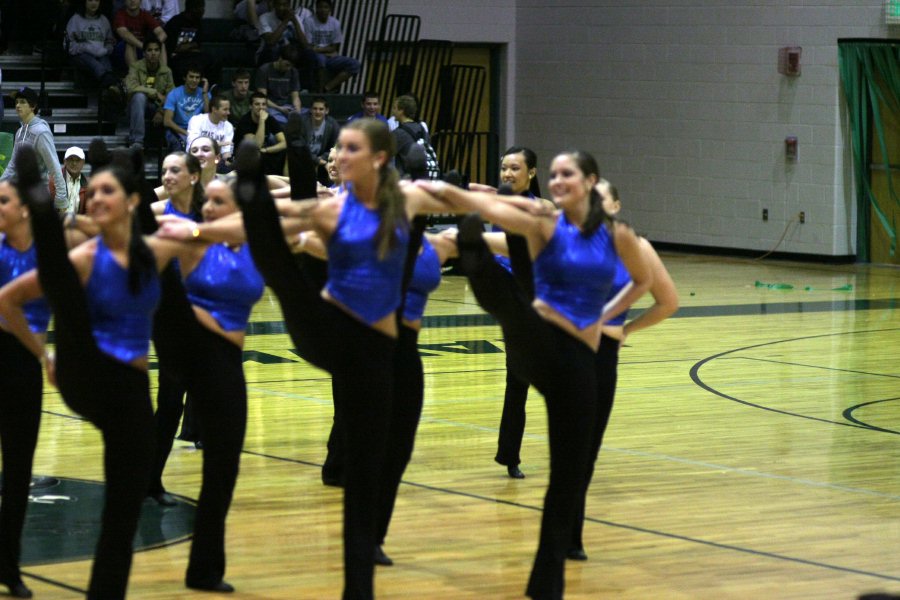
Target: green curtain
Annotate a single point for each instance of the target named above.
(870, 73)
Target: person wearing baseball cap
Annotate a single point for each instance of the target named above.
(36, 132)
(76, 182)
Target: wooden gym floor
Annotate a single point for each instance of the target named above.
(752, 453)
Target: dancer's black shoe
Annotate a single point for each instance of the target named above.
(381, 558)
(515, 472)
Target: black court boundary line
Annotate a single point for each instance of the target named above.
(794, 364)
(695, 377)
(53, 582)
(848, 414)
(624, 526)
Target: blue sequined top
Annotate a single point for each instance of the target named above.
(12, 264)
(426, 277)
(620, 280)
(573, 274)
(121, 321)
(226, 284)
(357, 278)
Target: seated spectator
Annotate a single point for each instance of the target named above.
(258, 126)
(250, 11)
(280, 82)
(320, 131)
(162, 10)
(324, 34)
(184, 42)
(371, 107)
(215, 126)
(133, 26)
(90, 43)
(238, 95)
(76, 182)
(148, 83)
(407, 107)
(282, 27)
(181, 104)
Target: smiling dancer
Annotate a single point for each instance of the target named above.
(366, 233)
(614, 332)
(552, 340)
(103, 295)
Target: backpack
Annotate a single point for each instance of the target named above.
(432, 166)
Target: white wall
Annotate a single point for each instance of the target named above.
(682, 105)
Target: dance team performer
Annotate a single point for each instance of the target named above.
(518, 171)
(553, 339)
(103, 295)
(182, 180)
(222, 285)
(22, 385)
(365, 230)
(614, 332)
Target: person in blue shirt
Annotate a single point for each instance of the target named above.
(181, 104)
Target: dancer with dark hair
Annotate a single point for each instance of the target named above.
(222, 285)
(366, 231)
(103, 295)
(614, 332)
(552, 340)
(518, 171)
(22, 384)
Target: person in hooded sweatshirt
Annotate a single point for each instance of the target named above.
(36, 132)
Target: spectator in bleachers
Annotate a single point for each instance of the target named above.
(324, 34)
(134, 25)
(371, 107)
(238, 95)
(215, 126)
(407, 133)
(250, 11)
(36, 132)
(320, 130)
(76, 181)
(181, 104)
(405, 110)
(280, 82)
(90, 42)
(264, 131)
(184, 41)
(162, 10)
(282, 27)
(148, 82)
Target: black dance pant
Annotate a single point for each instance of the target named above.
(112, 395)
(561, 367)
(512, 420)
(406, 408)
(211, 369)
(219, 394)
(360, 358)
(170, 404)
(606, 363)
(20, 417)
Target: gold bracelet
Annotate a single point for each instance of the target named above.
(195, 232)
